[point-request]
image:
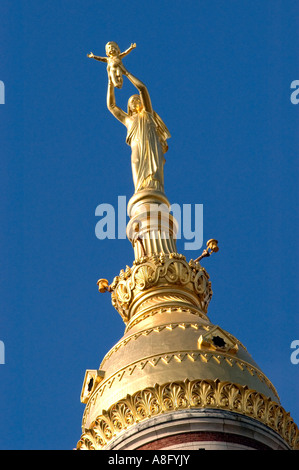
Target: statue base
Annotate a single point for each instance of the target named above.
(152, 229)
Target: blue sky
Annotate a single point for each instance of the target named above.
(219, 75)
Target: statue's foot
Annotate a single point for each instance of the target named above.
(118, 83)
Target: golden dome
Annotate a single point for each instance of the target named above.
(169, 346)
(171, 356)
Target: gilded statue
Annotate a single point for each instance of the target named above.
(114, 61)
(146, 134)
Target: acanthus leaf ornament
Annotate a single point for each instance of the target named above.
(160, 272)
(180, 395)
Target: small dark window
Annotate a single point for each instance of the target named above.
(218, 341)
(90, 384)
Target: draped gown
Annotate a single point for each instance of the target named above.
(147, 135)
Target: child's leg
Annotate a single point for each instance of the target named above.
(116, 77)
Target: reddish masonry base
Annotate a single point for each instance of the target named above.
(200, 437)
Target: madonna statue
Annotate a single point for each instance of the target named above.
(146, 134)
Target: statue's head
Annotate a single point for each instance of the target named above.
(134, 105)
(112, 48)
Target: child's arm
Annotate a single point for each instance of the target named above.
(123, 54)
(92, 56)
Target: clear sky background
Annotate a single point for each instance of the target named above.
(219, 74)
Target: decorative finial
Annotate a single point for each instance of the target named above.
(103, 285)
(212, 247)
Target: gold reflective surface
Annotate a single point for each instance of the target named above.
(171, 356)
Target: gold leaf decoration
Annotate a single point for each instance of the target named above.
(180, 395)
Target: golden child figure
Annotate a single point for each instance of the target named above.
(114, 61)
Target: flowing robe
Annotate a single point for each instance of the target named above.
(147, 135)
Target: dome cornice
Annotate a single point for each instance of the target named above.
(180, 395)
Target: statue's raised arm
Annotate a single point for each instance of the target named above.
(143, 91)
(117, 112)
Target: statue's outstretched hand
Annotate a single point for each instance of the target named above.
(91, 55)
(133, 45)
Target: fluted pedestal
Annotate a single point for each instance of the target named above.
(151, 229)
